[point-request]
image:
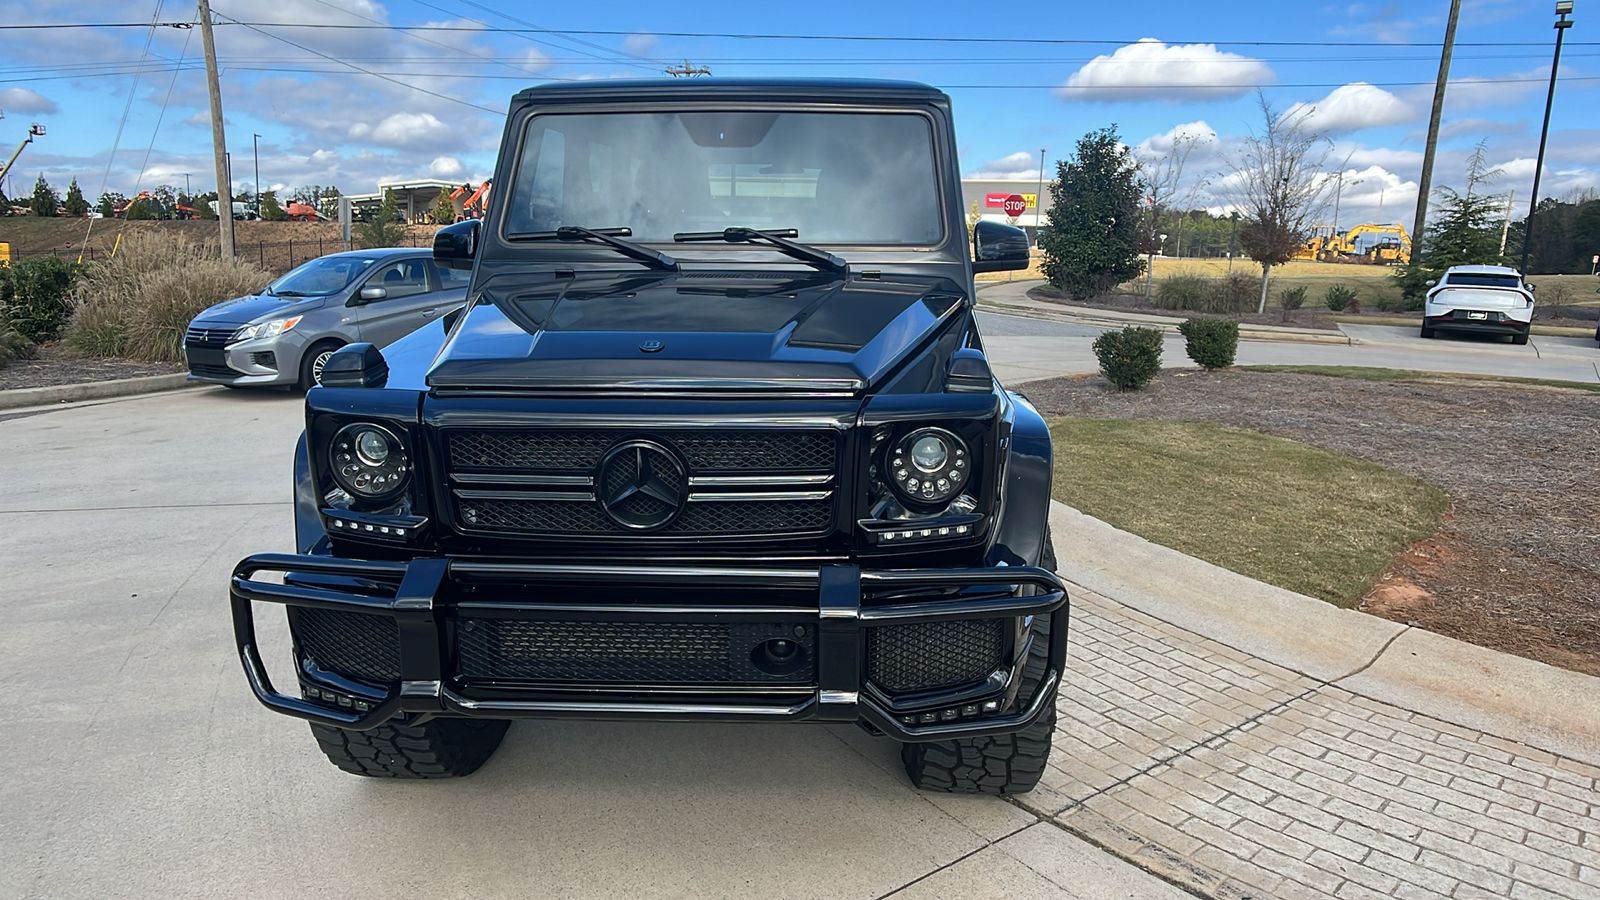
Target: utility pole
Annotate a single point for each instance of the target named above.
(1563, 9)
(219, 142)
(1425, 183)
(687, 71)
(255, 150)
(1038, 202)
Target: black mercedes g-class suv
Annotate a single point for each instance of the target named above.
(714, 439)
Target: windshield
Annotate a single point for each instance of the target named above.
(1479, 280)
(837, 178)
(321, 277)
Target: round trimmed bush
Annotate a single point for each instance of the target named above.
(1129, 358)
(1212, 343)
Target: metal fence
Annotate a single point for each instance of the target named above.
(274, 256)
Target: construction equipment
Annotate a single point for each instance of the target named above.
(1370, 243)
(475, 202)
(34, 130)
(301, 212)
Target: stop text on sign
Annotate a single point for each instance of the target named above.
(998, 201)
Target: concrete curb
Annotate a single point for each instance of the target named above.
(1162, 323)
(1517, 699)
(18, 398)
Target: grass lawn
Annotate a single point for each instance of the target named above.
(1278, 511)
(1372, 374)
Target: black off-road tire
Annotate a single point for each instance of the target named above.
(442, 748)
(997, 764)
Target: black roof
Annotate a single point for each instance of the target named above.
(854, 90)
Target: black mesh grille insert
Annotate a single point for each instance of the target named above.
(786, 517)
(355, 645)
(627, 652)
(766, 450)
(902, 658)
(212, 371)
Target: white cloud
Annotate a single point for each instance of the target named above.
(23, 100)
(403, 129)
(325, 158)
(1153, 70)
(1352, 107)
(445, 167)
(1021, 164)
(639, 44)
(1158, 145)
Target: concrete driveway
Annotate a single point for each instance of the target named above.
(137, 764)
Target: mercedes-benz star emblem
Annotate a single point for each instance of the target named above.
(651, 346)
(641, 485)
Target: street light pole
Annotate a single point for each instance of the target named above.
(255, 149)
(1038, 200)
(1563, 9)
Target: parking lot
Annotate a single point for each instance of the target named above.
(138, 764)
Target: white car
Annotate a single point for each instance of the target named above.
(1480, 299)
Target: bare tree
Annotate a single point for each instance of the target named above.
(1166, 191)
(1279, 184)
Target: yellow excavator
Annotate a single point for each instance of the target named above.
(1370, 243)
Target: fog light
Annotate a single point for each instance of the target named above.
(991, 705)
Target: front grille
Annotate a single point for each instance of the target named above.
(711, 451)
(209, 370)
(498, 488)
(627, 652)
(208, 337)
(903, 658)
(355, 645)
(785, 517)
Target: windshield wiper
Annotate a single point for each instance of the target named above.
(778, 238)
(288, 293)
(607, 236)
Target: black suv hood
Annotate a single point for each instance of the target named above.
(694, 331)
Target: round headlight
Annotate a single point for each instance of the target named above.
(369, 461)
(929, 466)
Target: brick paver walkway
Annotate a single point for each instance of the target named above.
(1238, 778)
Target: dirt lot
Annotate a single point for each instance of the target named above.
(1517, 565)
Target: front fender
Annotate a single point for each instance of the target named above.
(1025, 494)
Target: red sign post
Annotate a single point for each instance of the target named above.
(1016, 205)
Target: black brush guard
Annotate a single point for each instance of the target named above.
(841, 620)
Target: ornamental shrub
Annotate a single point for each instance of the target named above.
(1211, 342)
(34, 296)
(1341, 297)
(1129, 358)
(1183, 290)
(13, 345)
(1233, 293)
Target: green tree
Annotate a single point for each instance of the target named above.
(1465, 231)
(444, 211)
(45, 200)
(380, 229)
(109, 202)
(75, 205)
(5, 204)
(141, 208)
(271, 210)
(328, 202)
(1279, 186)
(1091, 240)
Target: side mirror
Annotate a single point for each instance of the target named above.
(355, 365)
(369, 294)
(1529, 287)
(1432, 282)
(998, 248)
(455, 246)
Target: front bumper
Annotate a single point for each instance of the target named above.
(420, 598)
(262, 361)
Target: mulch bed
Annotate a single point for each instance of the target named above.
(1517, 564)
(52, 365)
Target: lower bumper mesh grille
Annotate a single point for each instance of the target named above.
(355, 645)
(783, 517)
(627, 652)
(903, 658)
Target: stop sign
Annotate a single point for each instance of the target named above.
(1016, 205)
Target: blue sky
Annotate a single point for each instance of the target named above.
(1154, 69)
